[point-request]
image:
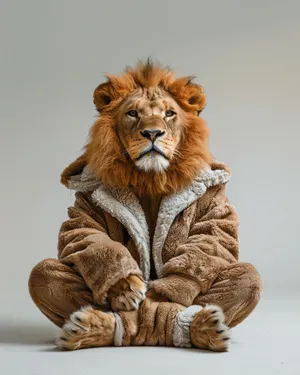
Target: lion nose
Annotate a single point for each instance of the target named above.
(152, 134)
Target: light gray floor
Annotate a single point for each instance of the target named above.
(266, 343)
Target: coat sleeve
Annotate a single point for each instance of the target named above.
(211, 246)
(84, 244)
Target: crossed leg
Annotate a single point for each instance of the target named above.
(58, 290)
(61, 294)
(236, 290)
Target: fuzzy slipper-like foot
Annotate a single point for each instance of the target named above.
(208, 330)
(87, 328)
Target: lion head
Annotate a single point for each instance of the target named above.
(149, 134)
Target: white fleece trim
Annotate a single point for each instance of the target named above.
(119, 330)
(124, 206)
(86, 181)
(172, 205)
(181, 329)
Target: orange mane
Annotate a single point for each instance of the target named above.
(104, 152)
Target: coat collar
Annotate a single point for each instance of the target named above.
(123, 205)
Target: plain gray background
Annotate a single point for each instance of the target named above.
(54, 53)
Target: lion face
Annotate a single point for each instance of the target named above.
(149, 135)
(149, 126)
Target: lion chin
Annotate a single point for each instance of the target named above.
(152, 162)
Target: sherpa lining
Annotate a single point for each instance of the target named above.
(182, 325)
(130, 213)
(119, 330)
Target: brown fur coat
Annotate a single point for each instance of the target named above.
(106, 237)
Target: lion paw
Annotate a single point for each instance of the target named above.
(208, 330)
(127, 294)
(87, 328)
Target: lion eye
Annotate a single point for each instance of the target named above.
(169, 113)
(132, 113)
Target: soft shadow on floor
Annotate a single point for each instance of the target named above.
(27, 333)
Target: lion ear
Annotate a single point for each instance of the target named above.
(190, 95)
(103, 96)
(196, 97)
(112, 91)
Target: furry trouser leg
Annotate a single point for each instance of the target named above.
(58, 290)
(236, 290)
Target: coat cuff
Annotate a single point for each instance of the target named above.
(182, 324)
(176, 288)
(103, 269)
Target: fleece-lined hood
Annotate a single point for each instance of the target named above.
(79, 177)
(122, 204)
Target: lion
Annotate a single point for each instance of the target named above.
(149, 253)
